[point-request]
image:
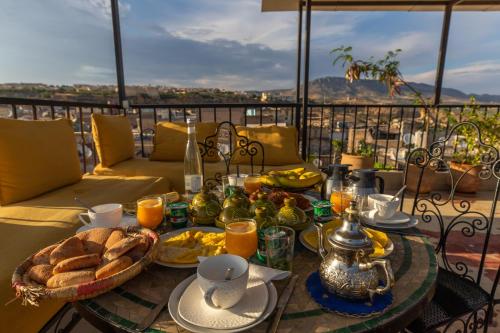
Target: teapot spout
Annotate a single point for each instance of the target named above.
(321, 248)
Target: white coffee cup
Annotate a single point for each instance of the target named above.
(383, 204)
(218, 292)
(107, 216)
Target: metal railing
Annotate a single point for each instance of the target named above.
(391, 129)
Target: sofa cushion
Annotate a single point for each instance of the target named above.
(174, 171)
(171, 138)
(113, 138)
(28, 226)
(36, 157)
(280, 145)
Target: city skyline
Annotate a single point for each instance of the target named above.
(231, 45)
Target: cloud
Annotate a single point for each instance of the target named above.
(98, 8)
(95, 73)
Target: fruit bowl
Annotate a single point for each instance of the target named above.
(294, 180)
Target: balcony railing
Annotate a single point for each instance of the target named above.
(392, 129)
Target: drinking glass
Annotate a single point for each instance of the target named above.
(280, 242)
(252, 183)
(340, 200)
(241, 237)
(150, 211)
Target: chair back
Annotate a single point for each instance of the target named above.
(450, 209)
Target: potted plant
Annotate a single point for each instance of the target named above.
(466, 160)
(337, 151)
(361, 158)
(426, 184)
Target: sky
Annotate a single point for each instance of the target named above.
(231, 44)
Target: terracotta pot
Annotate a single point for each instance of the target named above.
(358, 162)
(427, 179)
(470, 182)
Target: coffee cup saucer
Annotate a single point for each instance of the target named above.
(193, 309)
(125, 222)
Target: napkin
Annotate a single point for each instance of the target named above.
(263, 273)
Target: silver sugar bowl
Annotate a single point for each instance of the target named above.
(347, 269)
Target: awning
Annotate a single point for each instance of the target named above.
(388, 5)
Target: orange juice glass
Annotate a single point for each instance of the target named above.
(252, 183)
(150, 211)
(241, 237)
(340, 201)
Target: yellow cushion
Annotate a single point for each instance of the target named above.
(173, 171)
(113, 138)
(36, 157)
(280, 145)
(171, 138)
(28, 226)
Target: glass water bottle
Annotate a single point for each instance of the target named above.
(193, 174)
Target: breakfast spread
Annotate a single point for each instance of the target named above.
(187, 246)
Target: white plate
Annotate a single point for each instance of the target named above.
(127, 221)
(174, 233)
(193, 308)
(173, 305)
(399, 221)
(387, 250)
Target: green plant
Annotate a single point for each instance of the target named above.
(386, 71)
(468, 149)
(364, 149)
(380, 166)
(337, 149)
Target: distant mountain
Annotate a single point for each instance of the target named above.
(337, 89)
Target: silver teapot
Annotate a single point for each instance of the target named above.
(347, 269)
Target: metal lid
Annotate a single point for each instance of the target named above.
(349, 235)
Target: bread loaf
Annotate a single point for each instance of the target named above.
(94, 239)
(40, 273)
(43, 256)
(113, 267)
(140, 249)
(71, 278)
(76, 263)
(116, 236)
(71, 247)
(121, 247)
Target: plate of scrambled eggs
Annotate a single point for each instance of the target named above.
(181, 248)
(382, 245)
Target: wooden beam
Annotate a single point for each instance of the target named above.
(120, 76)
(299, 66)
(442, 54)
(305, 99)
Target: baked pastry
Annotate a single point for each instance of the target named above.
(94, 239)
(76, 263)
(116, 236)
(113, 267)
(71, 247)
(71, 278)
(140, 249)
(40, 273)
(121, 247)
(43, 256)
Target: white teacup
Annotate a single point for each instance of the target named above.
(218, 292)
(382, 203)
(107, 216)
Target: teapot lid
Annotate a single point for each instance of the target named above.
(349, 235)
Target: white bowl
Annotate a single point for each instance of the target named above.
(382, 203)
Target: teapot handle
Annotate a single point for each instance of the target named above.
(389, 276)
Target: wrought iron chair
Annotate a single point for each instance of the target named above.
(459, 300)
(227, 144)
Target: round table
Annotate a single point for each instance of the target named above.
(413, 261)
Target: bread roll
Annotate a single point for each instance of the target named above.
(43, 256)
(116, 236)
(76, 263)
(121, 247)
(40, 273)
(71, 278)
(71, 247)
(94, 239)
(113, 267)
(140, 249)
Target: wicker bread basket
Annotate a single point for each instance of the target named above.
(31, 292)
